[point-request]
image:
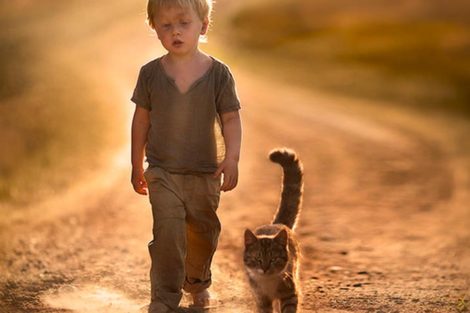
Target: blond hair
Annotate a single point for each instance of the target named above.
(203, 8)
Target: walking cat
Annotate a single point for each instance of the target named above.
(271, 255)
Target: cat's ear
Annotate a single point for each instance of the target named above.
(250, 238)
(282, 237)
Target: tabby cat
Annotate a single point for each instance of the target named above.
(271, 255)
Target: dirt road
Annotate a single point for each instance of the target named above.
(384, 226)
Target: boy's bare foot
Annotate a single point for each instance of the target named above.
(161, 308)
(156, 307)
(203, 300)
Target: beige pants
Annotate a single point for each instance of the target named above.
(185, 233)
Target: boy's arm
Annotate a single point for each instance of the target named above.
(232, 132)
(140, 127)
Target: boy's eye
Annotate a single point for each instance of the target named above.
(166, 25)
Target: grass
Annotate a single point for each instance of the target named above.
(415, 54)
(462, 305)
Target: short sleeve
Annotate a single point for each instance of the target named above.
(226, 96)
(141, 95)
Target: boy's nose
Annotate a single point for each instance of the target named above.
(176, 31)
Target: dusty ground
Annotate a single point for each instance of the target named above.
(384, 226)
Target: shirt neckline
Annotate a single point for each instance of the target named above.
(193, 84)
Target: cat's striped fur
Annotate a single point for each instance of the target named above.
(271, 255)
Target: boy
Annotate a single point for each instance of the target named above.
(183, 99)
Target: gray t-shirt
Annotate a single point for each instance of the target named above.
(185, 129)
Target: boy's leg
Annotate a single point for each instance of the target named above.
(168, 249)
(203, 229)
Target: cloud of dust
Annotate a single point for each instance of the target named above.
(91, 298)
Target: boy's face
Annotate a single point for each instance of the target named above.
(179, 29)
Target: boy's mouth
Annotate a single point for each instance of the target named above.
(177, 42)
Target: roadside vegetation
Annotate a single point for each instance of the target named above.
(410, 52)
(55, 104)
(54, 121)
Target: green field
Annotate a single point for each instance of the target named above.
(408, 52)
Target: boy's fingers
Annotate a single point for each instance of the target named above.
(229, 183)
(218, 171)
(136, 187)
(140, 187)
(141, 191)
(225, 184)
(232, 183)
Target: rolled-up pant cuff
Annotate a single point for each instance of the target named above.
(196, 285)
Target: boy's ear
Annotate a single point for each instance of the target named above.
(205, 26)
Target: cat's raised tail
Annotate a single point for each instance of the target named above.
(292, 186)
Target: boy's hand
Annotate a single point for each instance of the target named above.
(230, 169)
(138, 181)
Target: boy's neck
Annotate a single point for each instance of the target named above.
(174, 59)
